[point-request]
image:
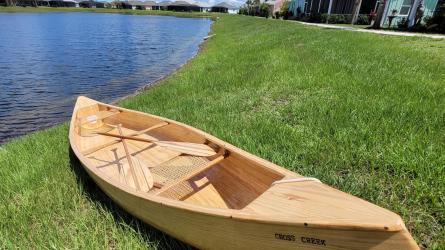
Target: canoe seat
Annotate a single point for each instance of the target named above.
(174, 169)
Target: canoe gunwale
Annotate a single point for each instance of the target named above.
(234, 214)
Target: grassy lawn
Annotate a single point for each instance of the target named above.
(362, 112)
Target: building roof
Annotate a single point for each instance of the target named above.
(182, 3)
(224, 5)
(163, 3)
(135, 3)
(149, 3)
(203, 5)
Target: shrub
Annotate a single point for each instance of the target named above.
(284, 11)
(338, 18)
(363, 20)
(437, 22)
(243, 11)
(402, 24)
(277, 14)
(264, 10)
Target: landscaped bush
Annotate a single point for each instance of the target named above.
(437, 22)
(243, 11)
(363, 20)
(284, 11)
(418, 27)
(264, 10)
(335, 18)
(402, 24)
(277, 14)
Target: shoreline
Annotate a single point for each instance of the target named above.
(148, 86)
(42, 9)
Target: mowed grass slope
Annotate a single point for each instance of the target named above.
(361, 112)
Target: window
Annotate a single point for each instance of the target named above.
(406, 6)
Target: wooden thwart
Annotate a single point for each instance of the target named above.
(182, 147)
(94, 149)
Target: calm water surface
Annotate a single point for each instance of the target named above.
(48, 59)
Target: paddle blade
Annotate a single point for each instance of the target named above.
(142, 175)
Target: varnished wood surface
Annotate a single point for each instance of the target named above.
(225, 202)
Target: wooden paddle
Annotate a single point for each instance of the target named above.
(142, 177)
(188, 148)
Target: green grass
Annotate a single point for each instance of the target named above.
(362, 112)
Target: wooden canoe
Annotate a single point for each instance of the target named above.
(227, 200)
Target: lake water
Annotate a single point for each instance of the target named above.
(48, 59)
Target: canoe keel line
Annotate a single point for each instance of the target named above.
(213, 195)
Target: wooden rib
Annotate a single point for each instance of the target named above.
(130, 162)
(193, 173)
(189, 148)
(94, 149)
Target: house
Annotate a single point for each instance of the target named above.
(149, 5)
(58, 3)
(46, 3)
(161, 6)
(224, 8)
(183, 6)
(204, 7)
(330, 7)
(135, 5)
(400, 10)
(91, 4)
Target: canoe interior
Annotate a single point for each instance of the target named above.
(233, 182)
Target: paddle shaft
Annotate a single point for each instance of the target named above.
(121, 136)
(130, 162)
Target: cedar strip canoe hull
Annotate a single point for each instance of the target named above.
(307, 215)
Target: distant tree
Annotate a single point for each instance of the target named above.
(249, 6)
(256, 6)
(243, 10)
